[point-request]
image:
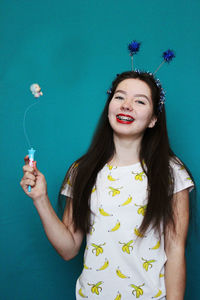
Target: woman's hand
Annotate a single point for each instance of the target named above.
(34, 178)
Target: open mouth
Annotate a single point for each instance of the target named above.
(124, 119)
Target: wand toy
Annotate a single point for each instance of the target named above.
(36, 91)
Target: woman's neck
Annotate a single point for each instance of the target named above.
(126, 151)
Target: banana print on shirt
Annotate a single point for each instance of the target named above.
(142, 209)
(115, 246)
(139, 176)
(127, 246)
(114, 191)
(96, 288)
(104, 266)
(147, 264)
(97, 249)
(137, 290)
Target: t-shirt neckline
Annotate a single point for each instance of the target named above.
(123, 167)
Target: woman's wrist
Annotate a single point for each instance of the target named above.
(41, 200)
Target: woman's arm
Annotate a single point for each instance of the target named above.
(175, 268)
(61, 234)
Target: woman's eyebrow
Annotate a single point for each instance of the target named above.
(142, 95)
(120, 91)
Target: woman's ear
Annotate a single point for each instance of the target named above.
(153, 122)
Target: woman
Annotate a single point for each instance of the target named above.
(129, 194)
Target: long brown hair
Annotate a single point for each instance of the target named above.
(155, 151)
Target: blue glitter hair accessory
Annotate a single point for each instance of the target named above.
(133, 48)
(162, 96)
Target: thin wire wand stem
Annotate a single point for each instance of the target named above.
(24, 123)
(132, 62)
(159, 67)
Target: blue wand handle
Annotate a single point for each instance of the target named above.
(31, 153)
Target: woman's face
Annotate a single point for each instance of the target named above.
(130, 110)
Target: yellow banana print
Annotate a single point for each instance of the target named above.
(139, 176)
(111, 178)
(137, 290)
(86, 267)
(116, 227)
(96, 288)
(127, 246)
(138, 233)
(97, 249)
(81, 293)
(114, 191)
(69, 182)
(142, 209)
(92, 229)
(161, 275)
(158, 294)
(109, 167)
(182, 167)
(120, 274)
(147, 263)
(75, 165)
(105, 265)
(103, 212)
(156, 246)
(127, 201)
(118, 297)
(94, 189)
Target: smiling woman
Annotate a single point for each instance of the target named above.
(131, 138)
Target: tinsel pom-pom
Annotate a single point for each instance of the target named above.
(168, 55)
(133, 47)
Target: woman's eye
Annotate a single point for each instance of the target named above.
(140, 101)
(119, 97)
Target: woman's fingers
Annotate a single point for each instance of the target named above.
(28, 182)
(35, 179)
(27, 168)
(28, 175)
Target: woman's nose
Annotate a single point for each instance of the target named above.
(127, 105)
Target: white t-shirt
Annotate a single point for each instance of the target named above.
(119, 263)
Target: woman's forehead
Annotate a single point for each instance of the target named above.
(134, 85)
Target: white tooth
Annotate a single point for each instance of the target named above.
(125, 118)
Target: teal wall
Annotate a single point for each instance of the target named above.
(73, 49)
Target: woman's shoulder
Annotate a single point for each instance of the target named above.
(181, 174)
(175, 161)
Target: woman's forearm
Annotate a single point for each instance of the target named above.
(57, 233)
(175, 275)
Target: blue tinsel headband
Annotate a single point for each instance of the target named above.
(168, 55)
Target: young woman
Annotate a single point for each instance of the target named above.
(129, 194)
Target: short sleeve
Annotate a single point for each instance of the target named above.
(182, 179)
(67, 189)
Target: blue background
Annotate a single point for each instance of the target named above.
(74, 49)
